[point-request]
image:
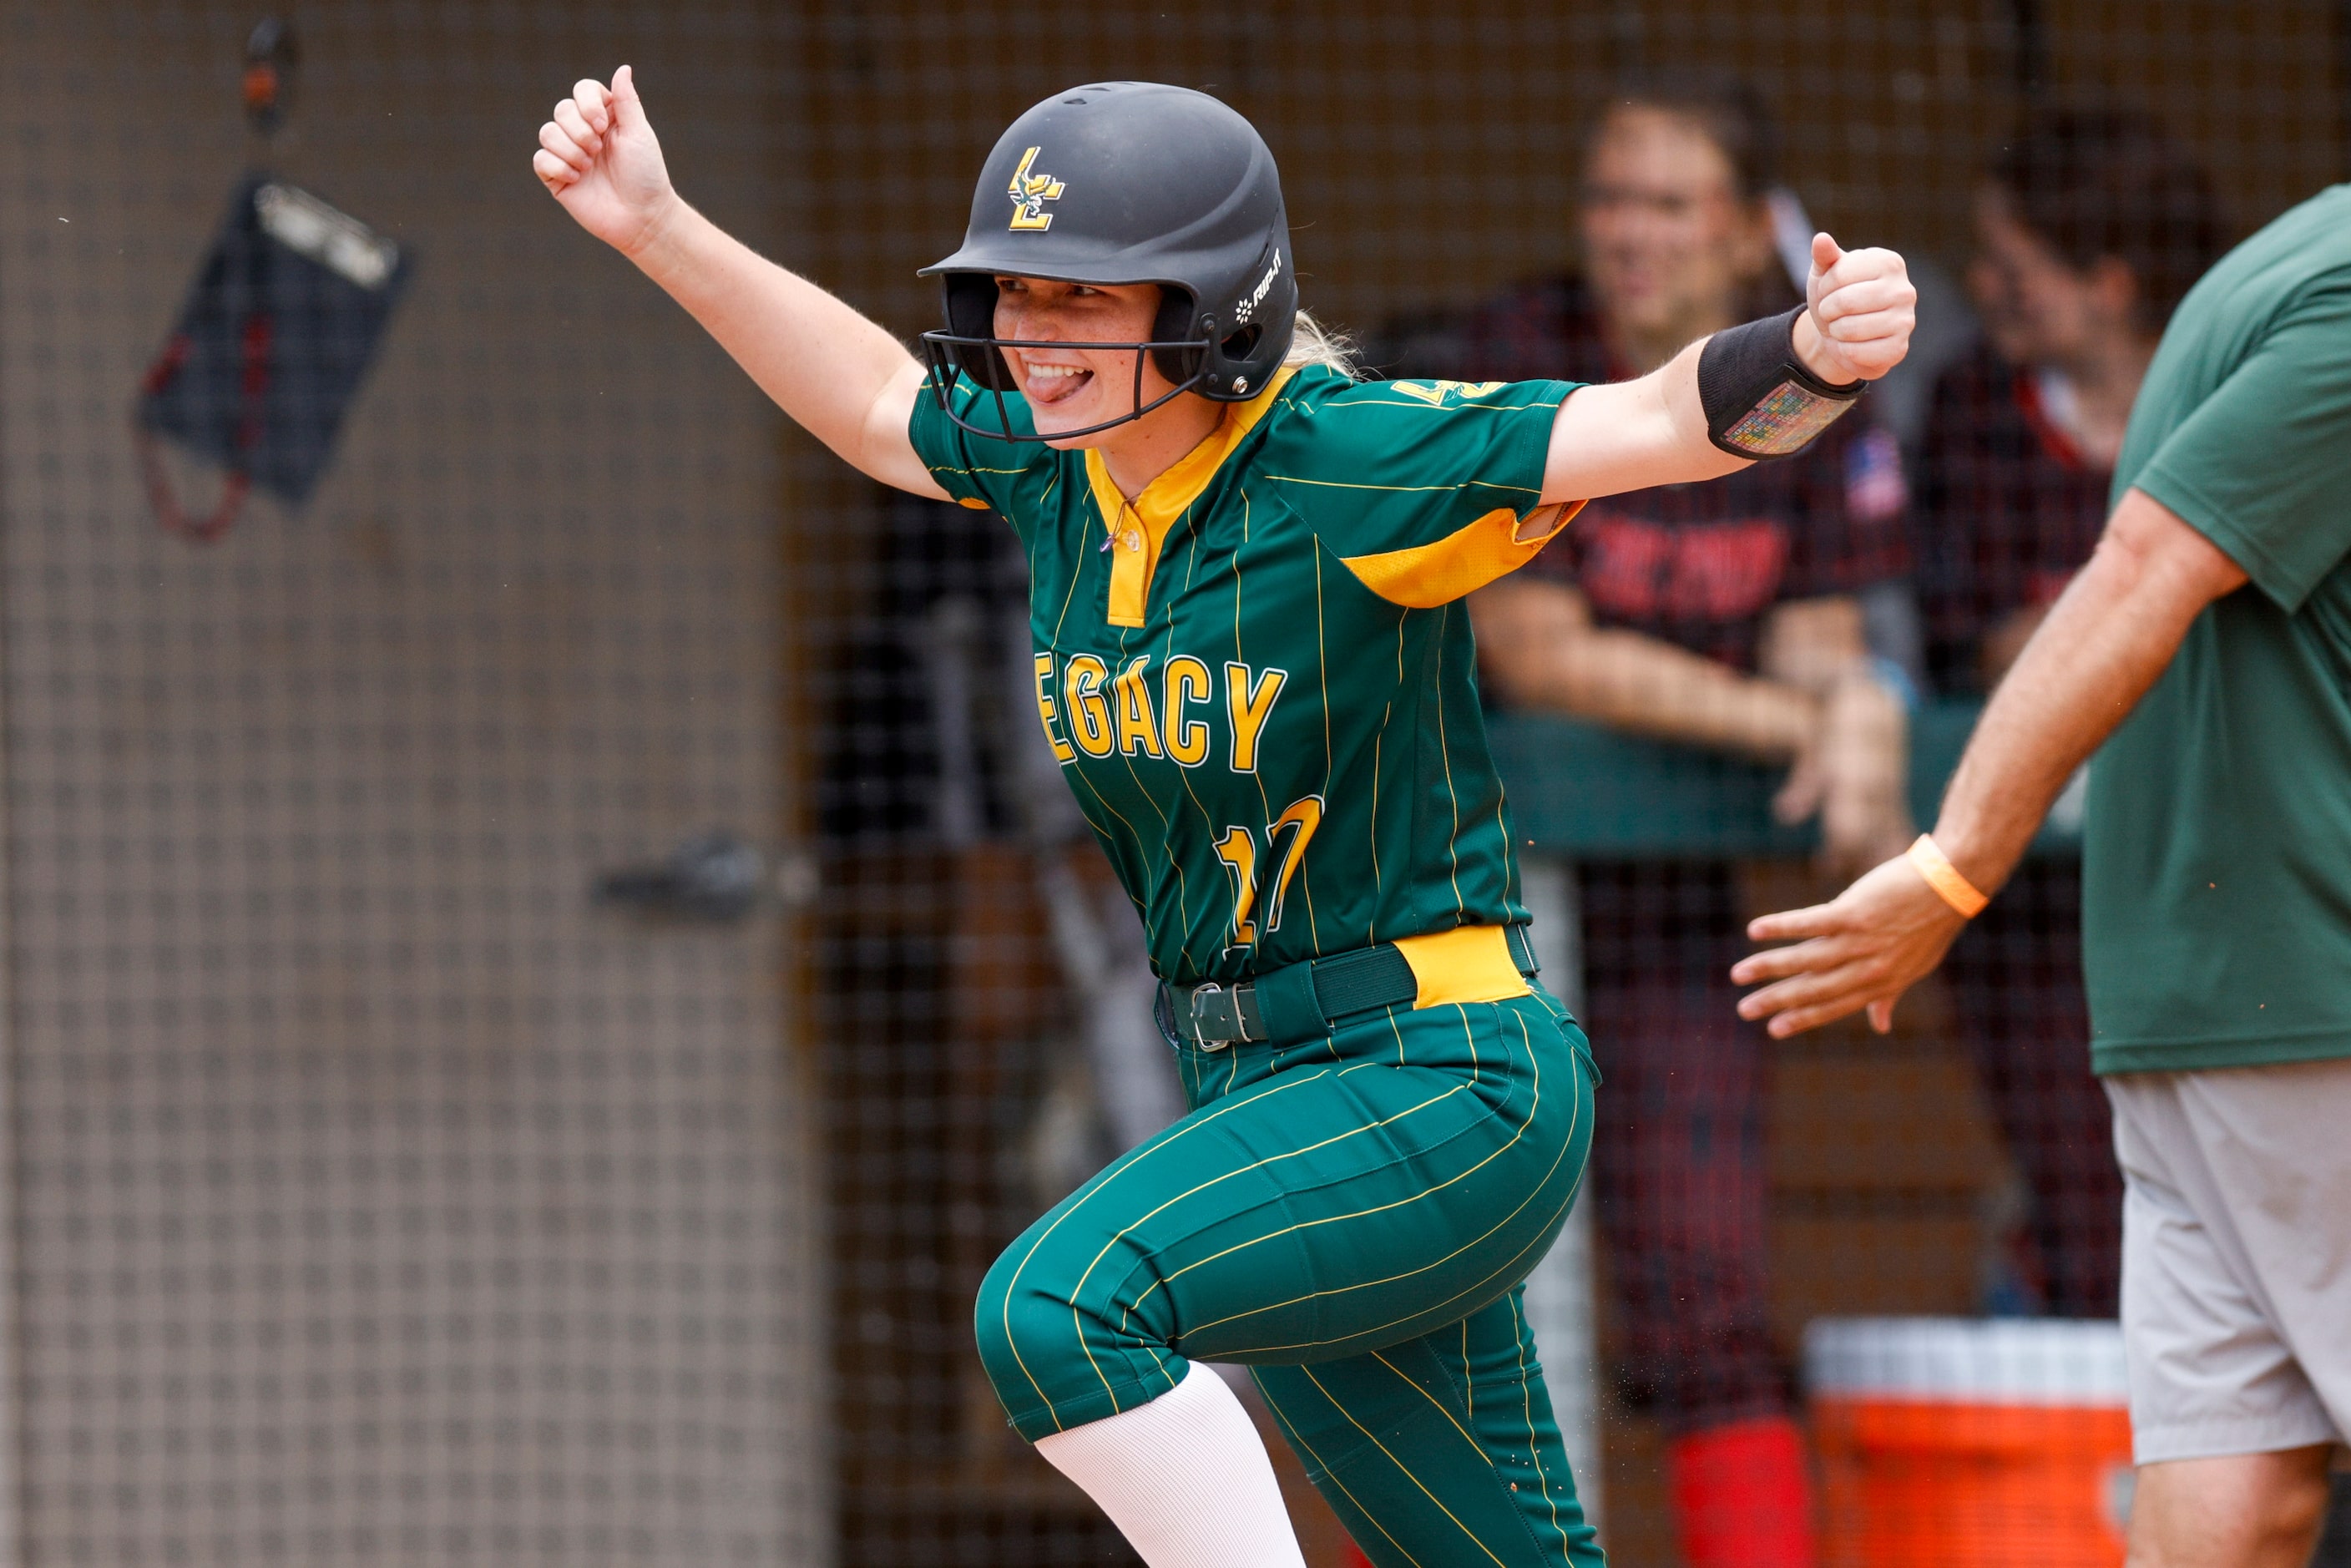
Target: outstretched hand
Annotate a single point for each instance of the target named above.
(1861, 309)
(599, 158)
(1863, 949)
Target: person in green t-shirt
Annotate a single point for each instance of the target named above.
(1252, 664)
(2204, 654)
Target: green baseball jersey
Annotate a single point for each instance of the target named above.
(2216, 878)
(1256, 673)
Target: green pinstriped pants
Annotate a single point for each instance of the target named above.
(1350, 1216)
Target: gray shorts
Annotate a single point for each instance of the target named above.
(2236, 1256)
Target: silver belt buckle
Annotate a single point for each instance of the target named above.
(1216, 1016)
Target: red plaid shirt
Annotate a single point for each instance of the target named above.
(2006, 511)
(1698, 564)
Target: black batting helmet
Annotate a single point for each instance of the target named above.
(1130, 182)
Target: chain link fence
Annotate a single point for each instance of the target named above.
(412, 1161)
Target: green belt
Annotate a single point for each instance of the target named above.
(1297, 1001)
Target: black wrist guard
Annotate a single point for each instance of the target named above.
(1759, 401)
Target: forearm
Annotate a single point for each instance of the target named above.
(1634, 683)
(837, 373)
(1635, 436)
(2107, 640)
(2066, 693)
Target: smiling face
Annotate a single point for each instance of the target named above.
(1067, 388)
(1669, 243)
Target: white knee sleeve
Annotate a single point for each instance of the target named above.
(1184, 1478)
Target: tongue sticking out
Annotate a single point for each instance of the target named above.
(1054, 383)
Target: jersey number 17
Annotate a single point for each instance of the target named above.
(1285, 839)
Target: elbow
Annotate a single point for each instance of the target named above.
(2151, 556)
(1507, 682)
(1506, 667)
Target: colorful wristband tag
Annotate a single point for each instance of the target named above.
(1759, 401)
(1783, 421)
(1944, 877)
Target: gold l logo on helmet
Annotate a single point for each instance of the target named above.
(1030, 193)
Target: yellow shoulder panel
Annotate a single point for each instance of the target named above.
(1464, 560)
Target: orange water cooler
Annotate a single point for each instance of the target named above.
(1962, 1442)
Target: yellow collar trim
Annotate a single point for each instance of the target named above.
(1137, 527)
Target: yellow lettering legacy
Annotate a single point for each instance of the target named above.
(1248, 703)
(1046, 713)
(1186, 680)
(1090, 726)
(1137, 724)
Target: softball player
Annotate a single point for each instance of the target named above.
(1253, 665)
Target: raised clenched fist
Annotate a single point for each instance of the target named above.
(1862, 309)
(599, 158)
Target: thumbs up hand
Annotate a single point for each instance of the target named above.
(1861, 310)
(599, 158)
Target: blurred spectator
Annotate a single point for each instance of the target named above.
(2090, 225)
(1725, 615)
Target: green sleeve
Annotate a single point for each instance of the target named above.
(1397, 465)
(2263, 468)
(977, 470)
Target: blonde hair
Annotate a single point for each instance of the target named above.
(1315, 344)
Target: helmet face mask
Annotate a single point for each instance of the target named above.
(948, 352)
(1146, 184)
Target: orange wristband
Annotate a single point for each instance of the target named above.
(1944, 877)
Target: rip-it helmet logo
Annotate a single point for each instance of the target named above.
(1256, 296)
(1029, 193)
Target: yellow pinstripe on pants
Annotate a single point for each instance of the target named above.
(1350, 1214)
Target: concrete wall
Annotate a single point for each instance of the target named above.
(378, 1199)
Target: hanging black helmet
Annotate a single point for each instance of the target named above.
(1130, 182)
